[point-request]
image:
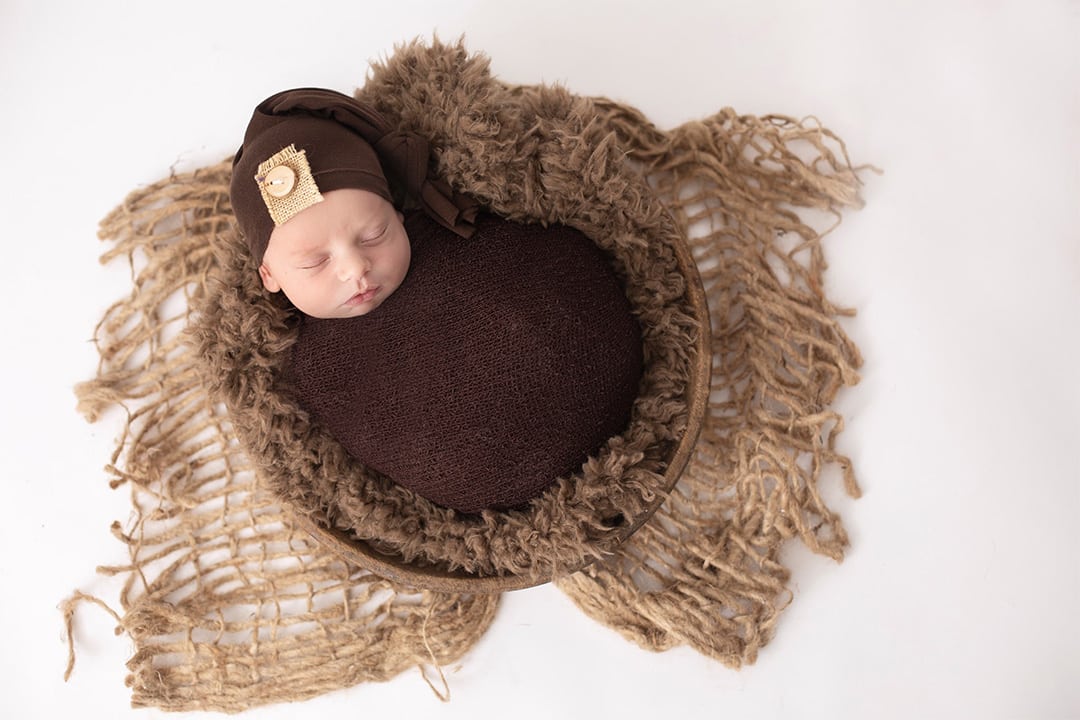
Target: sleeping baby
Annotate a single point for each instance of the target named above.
(470, 359)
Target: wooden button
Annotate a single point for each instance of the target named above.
(280, 181)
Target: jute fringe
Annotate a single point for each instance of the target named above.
(230, 607)
(706, 571)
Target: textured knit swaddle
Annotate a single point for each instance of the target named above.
(501, 363)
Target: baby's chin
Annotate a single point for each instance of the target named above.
(343, 312)
(360, 312)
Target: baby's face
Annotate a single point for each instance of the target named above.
(338, 258)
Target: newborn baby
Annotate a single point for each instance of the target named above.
(468, 358)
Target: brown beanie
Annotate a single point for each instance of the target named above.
(329, 141)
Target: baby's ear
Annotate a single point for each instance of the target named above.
(268, 280)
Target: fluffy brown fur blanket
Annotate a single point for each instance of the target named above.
(530, 154)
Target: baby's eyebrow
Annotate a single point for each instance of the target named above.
(304, 250)
(371, 226)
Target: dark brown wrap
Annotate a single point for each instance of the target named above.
(501, 364)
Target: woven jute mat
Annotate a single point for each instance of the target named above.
(230, 605)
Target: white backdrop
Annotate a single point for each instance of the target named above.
(960, 595)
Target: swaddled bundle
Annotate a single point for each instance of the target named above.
(501, 363)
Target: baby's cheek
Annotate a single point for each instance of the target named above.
(406, 257)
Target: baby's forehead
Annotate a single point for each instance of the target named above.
(347, 211)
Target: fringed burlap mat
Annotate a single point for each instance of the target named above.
(229, 606)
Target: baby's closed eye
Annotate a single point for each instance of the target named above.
(376, 238)
(313, 263)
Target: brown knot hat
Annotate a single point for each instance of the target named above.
(343, 143)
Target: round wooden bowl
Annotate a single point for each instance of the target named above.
(434, 577)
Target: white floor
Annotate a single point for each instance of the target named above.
(960, 595)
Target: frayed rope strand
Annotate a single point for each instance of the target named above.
(68, 609)
(445, 694)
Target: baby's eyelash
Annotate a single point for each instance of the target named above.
(313, 266)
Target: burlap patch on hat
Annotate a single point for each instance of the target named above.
(289, 190)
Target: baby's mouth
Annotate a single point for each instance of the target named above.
(362, 297)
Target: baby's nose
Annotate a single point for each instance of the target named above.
(353, 267)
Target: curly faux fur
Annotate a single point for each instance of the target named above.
(535, 154)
